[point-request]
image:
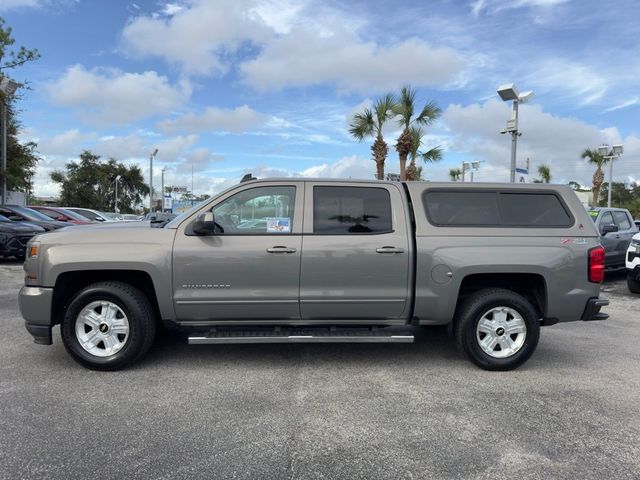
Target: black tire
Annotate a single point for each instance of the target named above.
(139, 313)
(471, 312)
(633, 283)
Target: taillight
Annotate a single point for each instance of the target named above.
(596, 265)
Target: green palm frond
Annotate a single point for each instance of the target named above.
(416, 134)
(594, 157)
(545, 173)
(429, 114)
(405, 106)
(362, 125)
(384, 109)
(431, 156)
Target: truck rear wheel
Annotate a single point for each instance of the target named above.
(497, 329)
(108, 326)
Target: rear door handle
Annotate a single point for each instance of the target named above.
(389, 249)
(281, 249)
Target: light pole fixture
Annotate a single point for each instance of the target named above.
(610, 154)
(469, 167)
(151, 157)
(118, 177)
(8, 87)
(507, 93)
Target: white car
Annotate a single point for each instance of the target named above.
(633, 264)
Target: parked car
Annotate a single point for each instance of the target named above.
(131, 217)
(14, 237)
(616, 228)
(61, 214)
(16, 213)
(494, 262)
(633, 264)
(91, 214)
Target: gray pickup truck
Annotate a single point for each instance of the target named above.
(300, 260)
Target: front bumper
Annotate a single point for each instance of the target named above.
(592, 310)
(35, 307)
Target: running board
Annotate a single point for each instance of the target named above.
(304, 335)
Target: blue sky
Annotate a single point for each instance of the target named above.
(228, 87)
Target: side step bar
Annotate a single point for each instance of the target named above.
(304, 335)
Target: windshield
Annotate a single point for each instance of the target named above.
(4, 219)
(30, 214)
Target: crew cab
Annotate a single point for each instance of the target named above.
(303, 260)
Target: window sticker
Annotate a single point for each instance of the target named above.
(278, 225)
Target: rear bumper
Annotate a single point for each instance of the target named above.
(592, 310)
(35, 307)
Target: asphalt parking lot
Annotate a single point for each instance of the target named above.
(325, 411)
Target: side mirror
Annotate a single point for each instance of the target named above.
(16, 218)
(608, 228)
(204, 224)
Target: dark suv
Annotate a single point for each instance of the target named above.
(616, 227)
(14, 237)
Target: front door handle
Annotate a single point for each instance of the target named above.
(281, 249)
(389, 249)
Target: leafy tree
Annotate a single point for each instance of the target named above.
(405, 109)
(369, 123)
(430, 156)
(622, 196)
(22, 158)
(90, 183)
(455, 174)
(595, 158)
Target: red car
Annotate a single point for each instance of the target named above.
(61, 214)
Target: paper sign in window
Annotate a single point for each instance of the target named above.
(278, 225)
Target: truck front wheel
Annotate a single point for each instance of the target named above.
(108, 326)
(497, 329)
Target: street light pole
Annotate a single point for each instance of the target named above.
(509, 92)
(7, 87)
(118, 177)
(153, 154)
(514, 141)
(162, 187)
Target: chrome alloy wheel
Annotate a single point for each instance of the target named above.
(501, 332)
(102, 328)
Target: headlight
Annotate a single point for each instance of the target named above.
(635, 242)
(33, 249)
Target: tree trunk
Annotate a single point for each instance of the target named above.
(379, 150)
(598, 179)
(404, 147)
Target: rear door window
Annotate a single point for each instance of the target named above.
(351, 210)
(621, 220)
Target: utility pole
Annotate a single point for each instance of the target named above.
(162, 209)
(153, 154)
(118, 177)
(192, 194)
(4, 151)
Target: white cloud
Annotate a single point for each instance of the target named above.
(546, 139)
(305, 58)
(197, 37)
(68, 143)
(237, 120)
(568, 79)
(13, 4)
(202, 158)
(112, 96)
(347, 167)
(493, 6)
(627, 103)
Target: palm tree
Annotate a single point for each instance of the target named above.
(455, 174)
(430, 156)
(545, 173)
(405, 108)
(369, 123)
(595, 158)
